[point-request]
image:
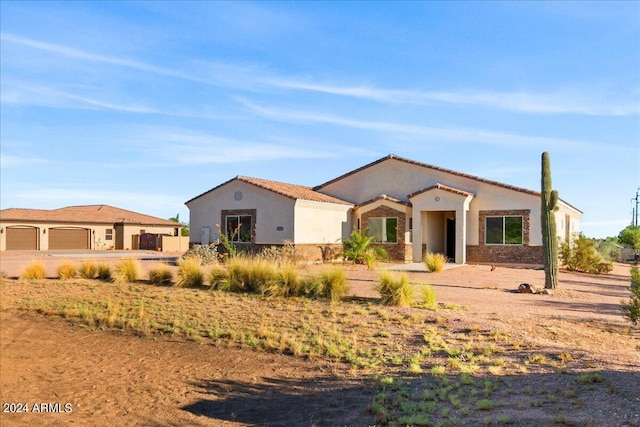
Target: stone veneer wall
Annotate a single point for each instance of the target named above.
(505, 254)
(397, 251)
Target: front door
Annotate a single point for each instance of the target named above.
(451, 238)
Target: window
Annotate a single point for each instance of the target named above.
(384, 230)
(238, 228)
(503, 230)
(108, 234)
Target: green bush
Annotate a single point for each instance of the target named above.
(581, 255)
(34, 271)
(127, 271)
(631, 308)
(435, 262)
(395, 289)
(190, 273)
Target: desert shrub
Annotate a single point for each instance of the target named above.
(33, 271)
(160, 275)
(581, 255)
(103, 272)
(631, 308)
(127, 271)
(66, 271)
(395, 289)
(88, 270)
(428, 296)
(435, 262)
(190, 273)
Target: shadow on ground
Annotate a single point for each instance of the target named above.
(324, 401)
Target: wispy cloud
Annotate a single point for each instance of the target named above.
(591, 102)
(425, 133)
(185, 148)
(563, 101)
(8, 161)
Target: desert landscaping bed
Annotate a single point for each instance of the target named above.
(486, 355)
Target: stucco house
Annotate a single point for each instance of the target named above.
(410, 207)
(84, 227)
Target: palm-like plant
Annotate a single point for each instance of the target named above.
(356, 247)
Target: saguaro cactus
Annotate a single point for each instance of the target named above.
(549, 200)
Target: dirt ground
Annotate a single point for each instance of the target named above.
(75, 376)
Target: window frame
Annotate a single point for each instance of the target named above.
(238, 237)
(383, 229)
(504, 230)
(108, 234)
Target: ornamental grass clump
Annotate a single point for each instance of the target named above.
(88, 270)
(435, 262)
(428, 296)
(190, 273)
(103, 272)
(127, 271)
(395, 289)
(66, 271)
(330, 284)
(34, 271)
(160, 275)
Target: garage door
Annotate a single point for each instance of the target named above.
(68, 238)
(22, 238)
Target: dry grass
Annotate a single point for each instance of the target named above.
(435, 262)
(395, 289)
(67, 270)
(34, 271)
(127, 271)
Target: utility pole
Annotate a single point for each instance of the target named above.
(636, 211)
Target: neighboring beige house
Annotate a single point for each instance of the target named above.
(86, 227)
(410, 207)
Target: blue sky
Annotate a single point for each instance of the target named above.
(144, 105)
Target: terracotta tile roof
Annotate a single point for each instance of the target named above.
(384, 197)
(441, 187)
(291, 191)
(94, 214)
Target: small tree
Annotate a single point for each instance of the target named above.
(631, 308)
(630, 236)
(580, 254)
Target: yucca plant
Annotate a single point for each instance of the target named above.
(395, 289)
(66, 271)
(88, 270)
(190, 273)
(435, 262)
(34, 271)
(127, 271)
